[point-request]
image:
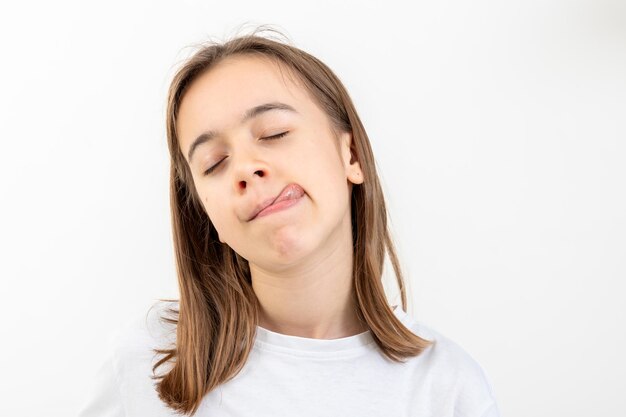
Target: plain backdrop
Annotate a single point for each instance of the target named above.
(499, 134)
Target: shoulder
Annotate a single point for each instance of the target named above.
(122, 383)
(140, 335)
(452, 355)
(454, 369)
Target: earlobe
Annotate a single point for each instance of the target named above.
(356, 176)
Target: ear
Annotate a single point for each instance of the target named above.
(352, 166)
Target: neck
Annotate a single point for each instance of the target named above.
(313, 299)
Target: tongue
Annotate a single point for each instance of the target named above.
(291, 192)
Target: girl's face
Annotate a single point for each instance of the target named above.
(249, 166)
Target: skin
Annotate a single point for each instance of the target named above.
(300, 258)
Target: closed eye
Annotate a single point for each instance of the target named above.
(273, 137)
(208, 171)
(278, 136)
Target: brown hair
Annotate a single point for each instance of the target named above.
(218, 309)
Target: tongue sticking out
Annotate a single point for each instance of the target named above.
(291, 192)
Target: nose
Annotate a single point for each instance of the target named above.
(248, 169)
(244, 181)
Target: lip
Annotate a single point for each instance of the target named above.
(283, 200)
(278, 206)
(261, 206)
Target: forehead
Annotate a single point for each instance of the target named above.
(245, 75)
(218, 98)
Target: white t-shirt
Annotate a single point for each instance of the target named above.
(296, 376)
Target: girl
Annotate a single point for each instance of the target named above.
(280, 232)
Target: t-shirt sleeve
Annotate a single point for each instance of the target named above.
(476, 397)
(104, 399)
(492, 410)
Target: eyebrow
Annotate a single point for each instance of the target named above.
(249, 114)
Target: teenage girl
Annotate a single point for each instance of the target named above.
(280, 233)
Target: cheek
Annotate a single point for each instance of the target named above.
(211, 209)
(218, 224)
(327, 182)
(221, 217)
(325, 165)
(319, 155)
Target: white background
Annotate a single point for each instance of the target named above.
(499, 131)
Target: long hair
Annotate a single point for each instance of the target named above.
(218, 310)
